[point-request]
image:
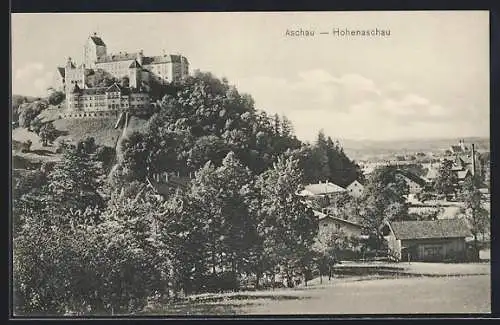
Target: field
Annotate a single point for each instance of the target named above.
(462, 292)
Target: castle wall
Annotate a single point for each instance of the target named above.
(75, 76)
(161, 72)
(117, 69)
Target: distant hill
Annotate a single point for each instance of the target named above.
(361, 149)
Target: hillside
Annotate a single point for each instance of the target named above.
(102, 130)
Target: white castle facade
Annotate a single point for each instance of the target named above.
(86, 100)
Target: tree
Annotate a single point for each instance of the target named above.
(29, 111)
(475, 213)
(36, 125)
(74, 183)
(47, 133)
(26, 146)
(384, 199)
(446, 181)
(56, 98)
(326, 246)
(287, 226)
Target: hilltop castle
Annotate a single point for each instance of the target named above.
(83, 100)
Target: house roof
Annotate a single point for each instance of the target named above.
(97, 40)
(462, 174)
(455, 148)
(411, 176)
(322, 189)
(443, 228)
(432, 173)
(322, 216)
(355, 183)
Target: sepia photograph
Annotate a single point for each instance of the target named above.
(250, 163)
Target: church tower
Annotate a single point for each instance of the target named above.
(94, 48)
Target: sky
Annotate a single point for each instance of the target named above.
(428, 79)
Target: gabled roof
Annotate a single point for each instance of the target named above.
(432, 173)
(412, 177)
(322, 189)
(97, 40)
(444, 228)
(355, 183)
(113, 88)
(134, 64)
(459, 161)
(322, 216)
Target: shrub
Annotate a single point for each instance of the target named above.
(26, 146)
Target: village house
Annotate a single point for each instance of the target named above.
(414, 182)
(355, 189)
(437, 240)
(330, 223)
(326, 189)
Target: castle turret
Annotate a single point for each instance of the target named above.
(69, 64)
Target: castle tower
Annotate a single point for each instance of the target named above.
(140, 57)
(93, 49)
(73, 97)
(462, 145)
(134, 74)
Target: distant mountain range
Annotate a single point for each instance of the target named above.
(362, 149)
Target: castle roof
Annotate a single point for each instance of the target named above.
(146, 60)
(70, 64)
(117, 57)
(61, 71)
(97, 41)
(167, 58)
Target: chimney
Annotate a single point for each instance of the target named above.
(473, 160)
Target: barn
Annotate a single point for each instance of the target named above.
(436, 240)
